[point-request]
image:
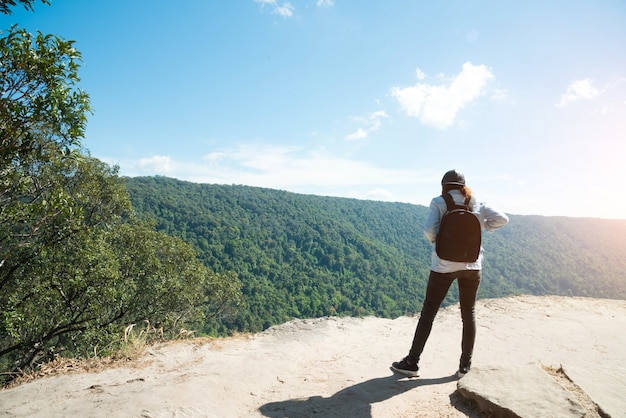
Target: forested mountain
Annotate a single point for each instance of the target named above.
(307, 256)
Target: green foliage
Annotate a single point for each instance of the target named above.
(28, 4)
(39, 102)
(94, 269)
(42, 119)
(308, 256)
(76, 267)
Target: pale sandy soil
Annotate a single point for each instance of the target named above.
(339, 367)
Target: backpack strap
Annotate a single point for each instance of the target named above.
(451, 204)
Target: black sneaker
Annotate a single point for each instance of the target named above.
(405, 368)
(463, 370)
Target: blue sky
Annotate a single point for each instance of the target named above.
(370, 100)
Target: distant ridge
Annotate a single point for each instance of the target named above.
(304, 256)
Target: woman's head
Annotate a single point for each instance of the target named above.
(454, 179)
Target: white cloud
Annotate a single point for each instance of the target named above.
(320, 168)
(325, 3)
(157, 163)
(282, 167)
(438, 105)
(377, 194)
(358, 134)
(420, 74)
(499, 94)
(578, 90)
(284, 9)
(372, 123)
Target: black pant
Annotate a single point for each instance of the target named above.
(438, 285)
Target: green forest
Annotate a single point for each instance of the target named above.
(308, 256)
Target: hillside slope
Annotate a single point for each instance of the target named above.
(302, 256)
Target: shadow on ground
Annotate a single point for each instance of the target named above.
(356, 400)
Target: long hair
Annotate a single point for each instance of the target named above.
(467, 192)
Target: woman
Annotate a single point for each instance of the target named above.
(444, 272)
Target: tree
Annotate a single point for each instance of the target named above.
(76, 265)
(39, 101)
(42, 120)
(28, 4)
(95, 269)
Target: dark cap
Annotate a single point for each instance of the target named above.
(453, 177)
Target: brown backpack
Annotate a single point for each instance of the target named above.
(460, 236)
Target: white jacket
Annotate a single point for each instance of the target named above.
(489, 218)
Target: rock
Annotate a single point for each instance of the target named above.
(525, 391)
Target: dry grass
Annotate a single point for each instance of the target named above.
(130, 353)
(62, 366)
